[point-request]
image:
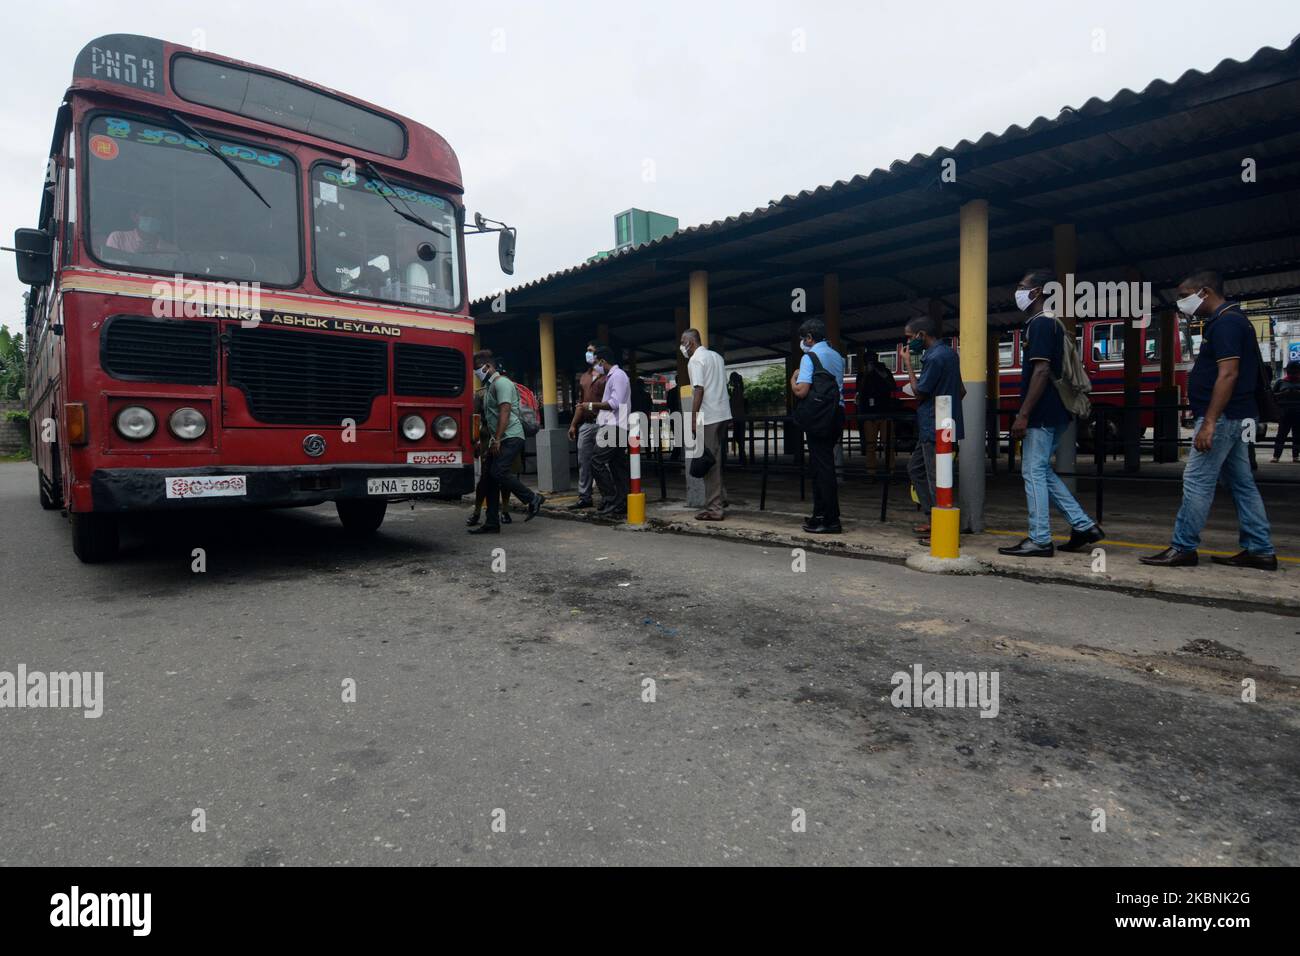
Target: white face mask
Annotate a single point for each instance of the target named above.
(685, 351)
(481, 373)
(1024, 299)
(1189, 304)
(806, 347)
(597, 371)
(590, 357)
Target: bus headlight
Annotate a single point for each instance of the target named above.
(135, 422)
(445, 427)
(187, 423)
(413, 427)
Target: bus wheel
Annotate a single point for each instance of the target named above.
(47, 502)
(361, 515)
(94, 536)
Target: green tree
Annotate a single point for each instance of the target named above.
(767, 389)
(13, 365)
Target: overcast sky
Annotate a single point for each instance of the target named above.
(564, 113)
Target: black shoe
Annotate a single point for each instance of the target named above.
(472, 519)
(580, 504)
(812, 522)
(824, 528)
(1081, 539)
(486, 529)
(1027, 549)
(1248, 559)
(505, 517)
(534, 507)
(1172, 558)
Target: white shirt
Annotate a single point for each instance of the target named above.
(708, 371)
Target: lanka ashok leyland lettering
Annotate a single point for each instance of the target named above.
(177, 179)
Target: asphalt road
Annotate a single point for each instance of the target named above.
(517, 697)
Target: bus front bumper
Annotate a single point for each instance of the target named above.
(165, 489)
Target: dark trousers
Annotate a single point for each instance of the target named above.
(920, 469)
(610, 468)
(821, 457)
(499, 478)
(738, 437)
(1290, 423)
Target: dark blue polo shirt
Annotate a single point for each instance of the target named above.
(1228, 334)
(1043, 339)
(940, 375)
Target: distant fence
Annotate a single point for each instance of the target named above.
(13, 435)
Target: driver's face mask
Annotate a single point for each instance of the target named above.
(149, 225)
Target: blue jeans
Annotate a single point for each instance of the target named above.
(1044, 486)
(1228, 458)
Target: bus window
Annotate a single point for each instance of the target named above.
(159, 204)
(1108, 342)
(889, 360)
(1006, 350)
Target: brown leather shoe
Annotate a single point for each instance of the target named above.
(1172, 558)
(1248, 559)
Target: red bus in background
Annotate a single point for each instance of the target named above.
(246, 290)
(1101, 343)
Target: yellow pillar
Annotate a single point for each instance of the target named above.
(831, 308)
(973, 324)
(679, 322)
(550, 391)
(699, 304)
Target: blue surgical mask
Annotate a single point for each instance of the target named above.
(590, 357)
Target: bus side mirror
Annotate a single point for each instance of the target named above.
(33, 256)
(506, 251)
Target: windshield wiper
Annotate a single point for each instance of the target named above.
(199, 138)
(409, 214)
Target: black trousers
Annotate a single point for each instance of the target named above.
(1290, 423)
(610, 467)
(821, 455)
(498, 478)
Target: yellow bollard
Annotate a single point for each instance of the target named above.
(945, 531)
(636, 508)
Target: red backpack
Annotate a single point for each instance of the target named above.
(530, 412)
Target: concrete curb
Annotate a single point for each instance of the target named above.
(1187, 591)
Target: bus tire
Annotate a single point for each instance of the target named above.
(94, 536)
(361, 516)
(48, 502)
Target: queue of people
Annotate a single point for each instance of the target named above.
(1222, 390)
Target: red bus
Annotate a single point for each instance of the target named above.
(1101, 344)
(246, 290)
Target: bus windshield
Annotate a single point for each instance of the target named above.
(159, 202)
(364, 248)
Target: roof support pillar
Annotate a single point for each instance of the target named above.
(699, 303)
(831, 308)
(552, 440)
(1166, 422)
(973, 278)
(679, 322)
(1065, 253)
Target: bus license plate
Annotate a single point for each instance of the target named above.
(403, 486)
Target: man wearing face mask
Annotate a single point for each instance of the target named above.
(609, 464)
(940, 375)
(1042, 420)
(591, 388)
(145, 237)
(1221, 391)
(504, 433)
(825, 518)
(710, 413)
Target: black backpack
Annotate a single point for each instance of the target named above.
(818, 412)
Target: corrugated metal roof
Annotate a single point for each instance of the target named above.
(1149, 177)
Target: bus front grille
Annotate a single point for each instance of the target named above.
(176, 351)
(290, 377)
(427, 370)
